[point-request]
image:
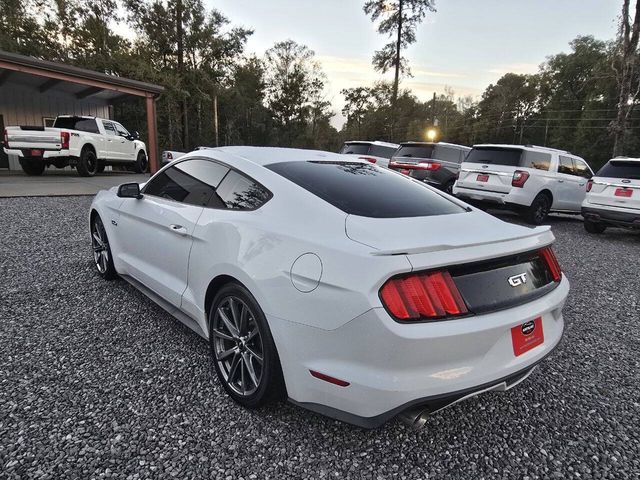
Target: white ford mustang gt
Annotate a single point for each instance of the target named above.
(351, 290)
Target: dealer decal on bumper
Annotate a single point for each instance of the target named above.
(527, 336)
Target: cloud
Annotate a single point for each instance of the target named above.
(520, 68)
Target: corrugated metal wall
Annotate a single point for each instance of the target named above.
(25, 105)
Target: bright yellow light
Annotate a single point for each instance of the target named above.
(432, 134)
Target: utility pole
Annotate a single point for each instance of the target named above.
(215, 118)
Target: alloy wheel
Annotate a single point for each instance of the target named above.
(238, 346)
(100, 246)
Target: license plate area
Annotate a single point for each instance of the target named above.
(482, 177)
(36, 153)
(623, 192)
(527, 336)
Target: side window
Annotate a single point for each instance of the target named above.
(582, 169)
(565, 165)
(193, 182)
(241, 193)
(537, 160)
(446, 154)
(121, 130)
(87, 125)
(108, 128)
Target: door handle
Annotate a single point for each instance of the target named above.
(179, 229)
(560, 181)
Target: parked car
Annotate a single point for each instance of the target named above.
(373, 152)
(437, 164)
(613, 196)
(88, 144)
(169, 156)
(309, 284)
(528, 179)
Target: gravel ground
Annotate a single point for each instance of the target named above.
(98, 382)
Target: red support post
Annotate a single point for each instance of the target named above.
(153, 134)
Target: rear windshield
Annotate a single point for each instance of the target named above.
(511, 157)
(366, 190)
(382, 151)
(77, 123)
(355, 148)
(415, 151)
(495, 156)
(620, 169)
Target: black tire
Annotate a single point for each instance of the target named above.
(142, 164)
(32, 166)
(537, 213)
(102, 257)
(101, 167)
(245, 347)
(594, 227)
(87, 165)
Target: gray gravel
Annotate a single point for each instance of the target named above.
(98, 382)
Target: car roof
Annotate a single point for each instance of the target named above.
(532, 148)
(269, 155)
(436, 143)
(375, 142)
(625, 159)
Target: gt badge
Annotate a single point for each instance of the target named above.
(518, 280)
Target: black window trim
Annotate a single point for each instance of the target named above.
(219, 162)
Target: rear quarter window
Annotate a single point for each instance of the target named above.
(366, 190)
(537, 160)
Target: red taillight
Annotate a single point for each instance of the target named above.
(519, 178)
(6, 138)
(64, 140)
(422, 295)
(432, 166)
(589, 185)
(552, 263)
(368, 159)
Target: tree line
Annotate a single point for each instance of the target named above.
(219, 94)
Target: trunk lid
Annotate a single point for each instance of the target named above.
(486, 177)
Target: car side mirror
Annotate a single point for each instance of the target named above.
(129, 190)
(135, 136)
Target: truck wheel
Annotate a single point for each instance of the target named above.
(32, 166)
(141, 165)
(101, 167)
(593, 227)
(539, 209)
(87, 165)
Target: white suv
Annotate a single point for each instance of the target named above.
(528, 179)
(613, 196)
(375, 152)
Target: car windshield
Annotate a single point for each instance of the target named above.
(495, 156)
(366, 190)
(620, 169)
(355, 148)
(415, 151)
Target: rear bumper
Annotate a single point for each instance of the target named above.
(618, 217)
(47, 154)
(391, 366)
(515, 196)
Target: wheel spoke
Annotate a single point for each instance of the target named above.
(250, 370)
(230, 326)
(234, 367)
(244, 313)
(252, 334)
(235, 315)
(254, 354)
(243, 382)
(218, 333)
(97, 238)
(227, 353)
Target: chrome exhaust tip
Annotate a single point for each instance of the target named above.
(416, 418)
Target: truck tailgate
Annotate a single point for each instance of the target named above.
(24, 138)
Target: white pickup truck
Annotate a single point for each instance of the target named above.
(88, 144)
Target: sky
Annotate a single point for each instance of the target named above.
(465, 45)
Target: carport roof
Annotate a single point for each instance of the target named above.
(13, 62)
